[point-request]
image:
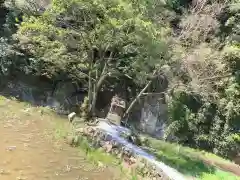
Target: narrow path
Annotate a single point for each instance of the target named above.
(28, 151)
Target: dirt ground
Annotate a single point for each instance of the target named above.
(233, 168)
(28, 151)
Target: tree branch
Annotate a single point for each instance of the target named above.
(139, 95)
(216, 77)
(149, 94)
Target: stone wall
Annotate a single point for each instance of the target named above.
(99, 139)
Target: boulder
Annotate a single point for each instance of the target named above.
(108, 147)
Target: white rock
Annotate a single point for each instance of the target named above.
(11, 148)
(71, 116)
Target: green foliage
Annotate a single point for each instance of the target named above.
(94, 41)
(10, 59)
(80, 36)
(213, 126)
(204, 108)
(4, 54)
(178, 5)
(188, 161)
(218, 175)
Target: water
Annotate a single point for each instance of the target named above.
(115, 132)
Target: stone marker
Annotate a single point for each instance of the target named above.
(116, 110)
(71, 116)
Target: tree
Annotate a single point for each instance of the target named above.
(93, 41)
(204, 104)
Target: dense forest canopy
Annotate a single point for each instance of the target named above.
(194, 44)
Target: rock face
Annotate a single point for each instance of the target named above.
(153, 117)
(63, 97)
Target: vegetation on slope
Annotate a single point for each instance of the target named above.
(55, 128)
(193, 162)
(187, 50)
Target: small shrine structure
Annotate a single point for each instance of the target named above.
(116, 110)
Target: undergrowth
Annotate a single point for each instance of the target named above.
(191, 162)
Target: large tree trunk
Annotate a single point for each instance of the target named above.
(90, 89)
(98, 85)
(95, 94)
